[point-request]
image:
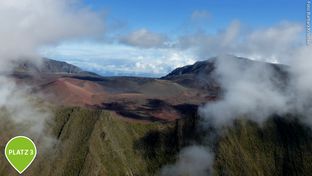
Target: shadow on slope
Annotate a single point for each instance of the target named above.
(282, 146)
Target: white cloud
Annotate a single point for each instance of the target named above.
(193, 161)
(29, 24)
(264, 44)
(115, 59)
(200, 15)
(274, 42)
(149, 53)
(144, 38)
(250, 89)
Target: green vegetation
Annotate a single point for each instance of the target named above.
(94, 142)
(279, 147)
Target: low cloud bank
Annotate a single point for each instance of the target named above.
(194, 160)
(30, 24)
(25, 27)
(255, 91)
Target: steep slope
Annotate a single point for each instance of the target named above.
(282, 146)
(95, 142)
(202, 75)
(198, 76)
(50, 66)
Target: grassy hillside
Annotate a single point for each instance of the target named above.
(279, 147)
(93, 142)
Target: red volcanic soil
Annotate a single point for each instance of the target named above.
(74, 92)
(166, 114)
(141, 99)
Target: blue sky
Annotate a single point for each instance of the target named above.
(150, 38)
(168, 15)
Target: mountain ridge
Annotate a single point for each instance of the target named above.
(134, 126)
(51, 66)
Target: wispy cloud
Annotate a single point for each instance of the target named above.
(269, 44)
(29, 24)
(115, 59)
(146, 53)
(25, 27)
(200, 16)
(144, 38)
